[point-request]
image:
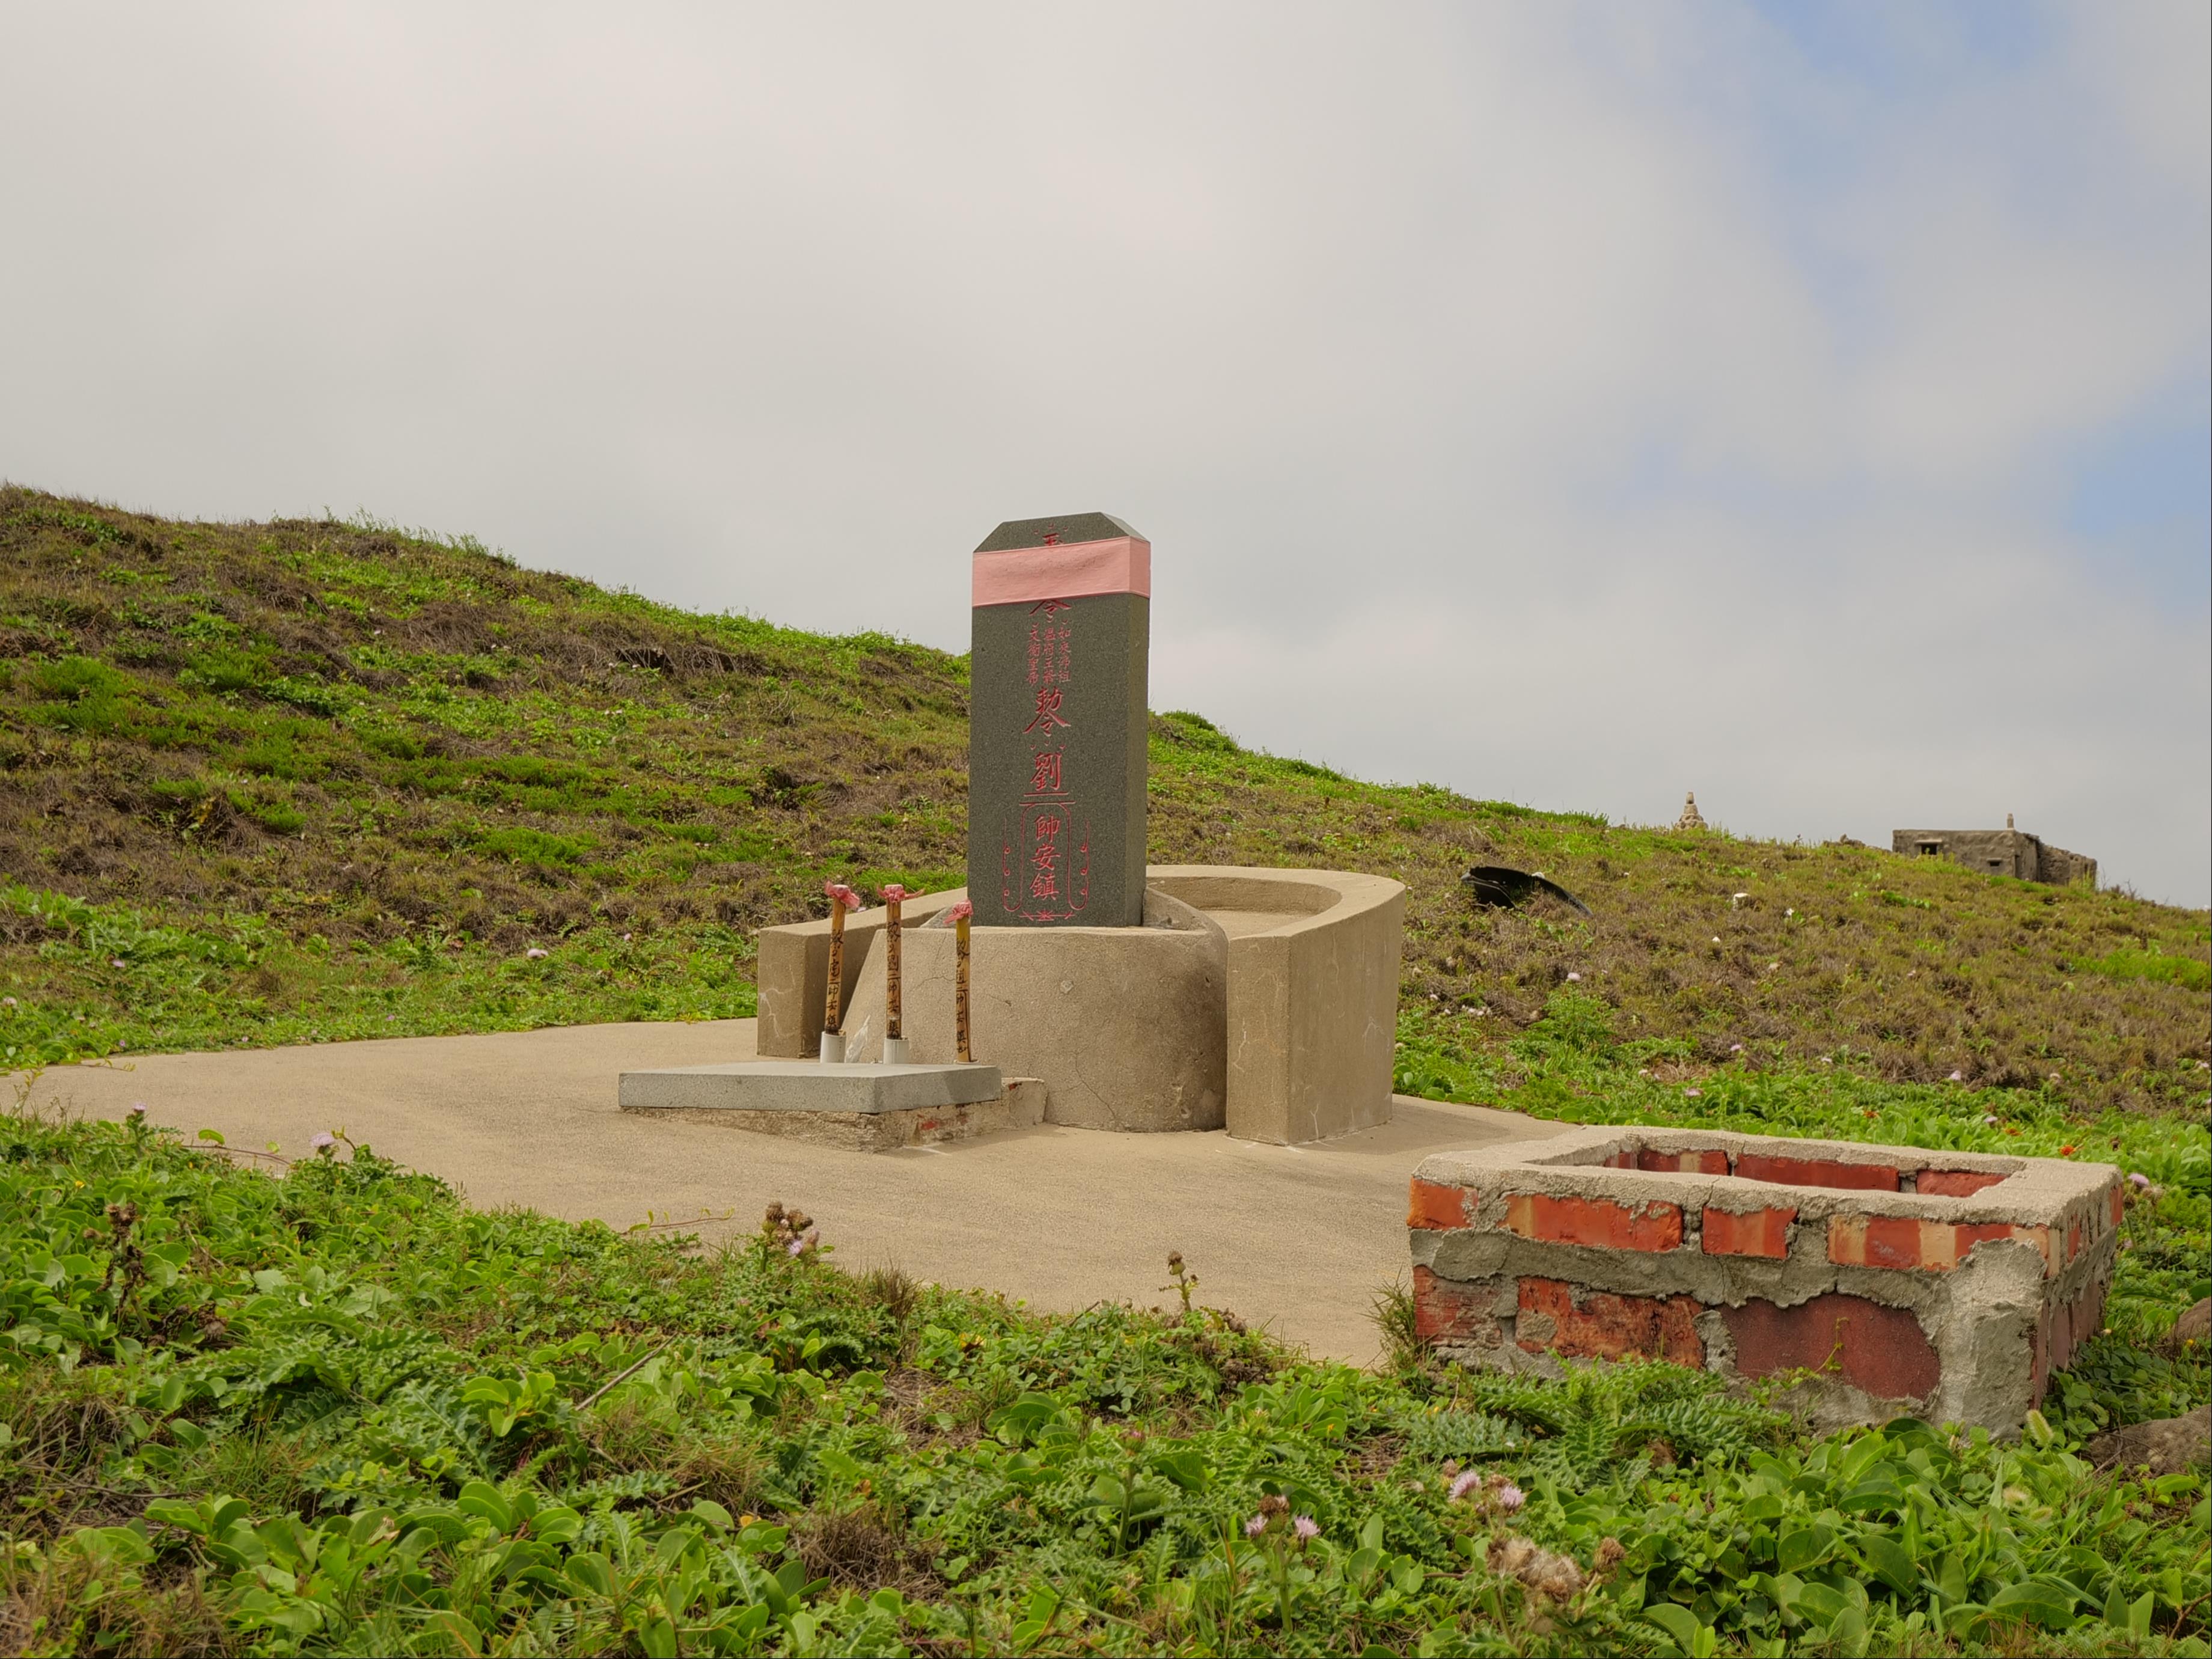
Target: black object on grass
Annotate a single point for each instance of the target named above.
(1496, 886)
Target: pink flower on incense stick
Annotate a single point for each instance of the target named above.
(838, 891)
(952, 913)
(893, 893)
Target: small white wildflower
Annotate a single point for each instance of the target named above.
(1735, 1048)
(1990, 1118)
(115, 961)
(1958, 1076)
(1574, 979)
(1693, 1094)
(533, 954)
(1716, 938)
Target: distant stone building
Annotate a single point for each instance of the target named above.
(2005, 852)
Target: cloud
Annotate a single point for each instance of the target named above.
(1552, 402)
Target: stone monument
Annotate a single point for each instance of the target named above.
(1057, 723)
(1175, 997)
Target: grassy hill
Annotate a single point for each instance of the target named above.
(269, 782)
(318, 780)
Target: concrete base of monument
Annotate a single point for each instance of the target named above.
(1261, 1001)
(863, 1108)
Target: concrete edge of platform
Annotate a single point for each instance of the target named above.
(806, 1086)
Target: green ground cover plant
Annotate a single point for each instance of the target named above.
(331, 1409)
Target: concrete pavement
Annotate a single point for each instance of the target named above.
(1298, 1238)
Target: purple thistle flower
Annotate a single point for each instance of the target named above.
(1255, 1526)
(1306, 1527)
(794, 1246)
(2137, 1177)
(324, 1142)
(138, 1111)
(1510, 1497)
(1465, 1483)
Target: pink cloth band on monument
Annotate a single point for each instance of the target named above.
(1023, 574)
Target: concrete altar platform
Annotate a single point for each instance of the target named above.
(806, 1085)
(864, 1109)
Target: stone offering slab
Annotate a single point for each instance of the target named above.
(808, 1085)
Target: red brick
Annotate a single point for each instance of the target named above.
(1709, 1163)
(2116, 1204)
(1932, 1246)
(1895, 1241)
(1446, 1310)
(1436, 1207)
(1816, 1172)
(1881, 1350)
(1879, 1241)
(1761, 1232)
(1967, 1237)
(1955, 1183)
(1596, 1221)
(2073, 1238)
(1598, 1325)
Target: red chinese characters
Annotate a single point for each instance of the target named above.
(1045, 872)
(1044, 856)
(1048, 715)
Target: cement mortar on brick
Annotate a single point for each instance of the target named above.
(1981, 1316)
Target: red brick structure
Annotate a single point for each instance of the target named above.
(1948, 1284)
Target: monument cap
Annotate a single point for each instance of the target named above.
(1051, 533)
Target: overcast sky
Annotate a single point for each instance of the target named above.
(1809, 405)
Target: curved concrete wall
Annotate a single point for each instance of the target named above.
(1264, 1002)
(1313, 993)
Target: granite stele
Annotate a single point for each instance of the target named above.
(1086, 989)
